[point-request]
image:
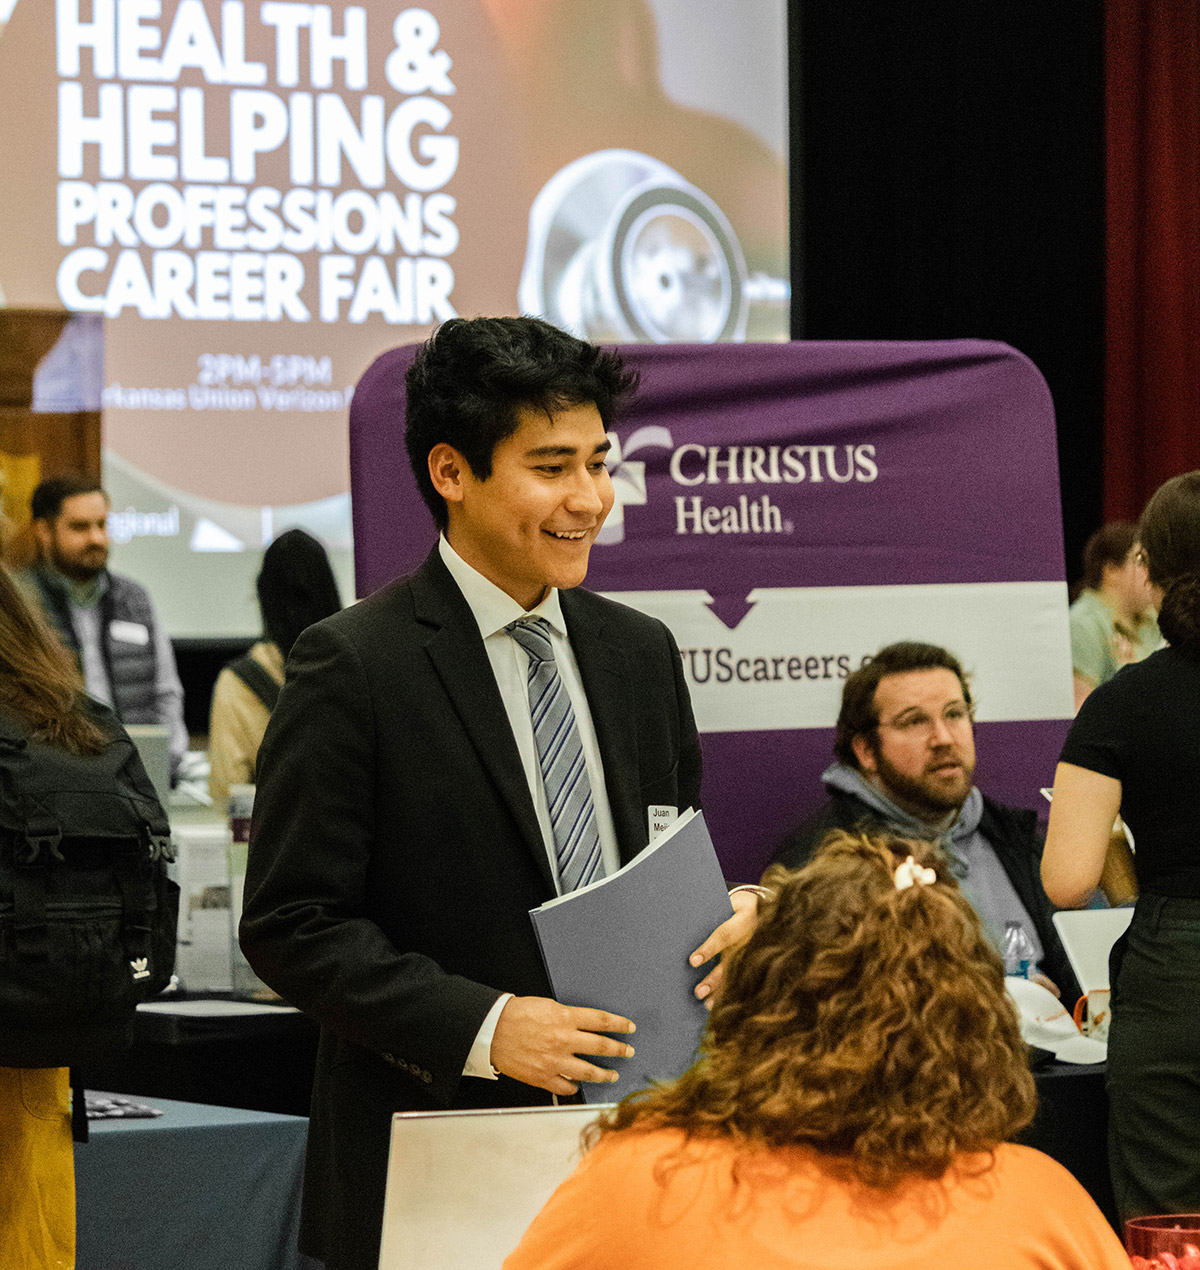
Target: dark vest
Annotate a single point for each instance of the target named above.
(131, 666)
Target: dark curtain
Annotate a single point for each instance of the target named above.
(948, 181)
(1152, 372)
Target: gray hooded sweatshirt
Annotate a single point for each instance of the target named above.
(980, 874)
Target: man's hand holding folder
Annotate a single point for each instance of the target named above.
(539, 1042)
(624, 942)
(731, 932)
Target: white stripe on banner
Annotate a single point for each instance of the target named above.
(783, 664)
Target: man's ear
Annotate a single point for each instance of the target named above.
(864, 751)
(43, 536)
(448, 470)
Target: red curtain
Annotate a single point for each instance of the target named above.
(1152, 359)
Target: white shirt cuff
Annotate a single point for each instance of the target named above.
(479, 1060)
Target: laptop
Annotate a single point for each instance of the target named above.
(463, 1186)
(153, 744)
(1088, 935)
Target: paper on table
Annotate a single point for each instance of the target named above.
(622, 944)
(1047, 1025)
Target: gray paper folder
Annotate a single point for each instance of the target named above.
(622, 944)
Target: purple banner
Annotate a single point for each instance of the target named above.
(789, 508)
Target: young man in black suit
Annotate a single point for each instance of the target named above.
(403, 827)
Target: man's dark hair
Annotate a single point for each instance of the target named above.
(859, 715)
(50, 495)
(473, 375)
(1109, 545)
(296, 587)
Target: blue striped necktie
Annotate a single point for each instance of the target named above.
(560, 756)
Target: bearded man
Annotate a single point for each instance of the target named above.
(106, 619)
(906, 764)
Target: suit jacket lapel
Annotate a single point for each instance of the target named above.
(461, 662)
(602, 669)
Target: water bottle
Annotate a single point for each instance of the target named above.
(1018, 951)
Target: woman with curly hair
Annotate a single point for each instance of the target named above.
(862, 1069)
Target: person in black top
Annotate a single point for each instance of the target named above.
(1135, 748)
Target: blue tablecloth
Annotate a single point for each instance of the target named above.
(198, 1188)
(218, 1188)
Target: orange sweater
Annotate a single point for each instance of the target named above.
(648, 1201)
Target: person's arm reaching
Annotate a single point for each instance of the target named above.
(1082, 813)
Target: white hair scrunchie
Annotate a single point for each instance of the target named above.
(910, 873)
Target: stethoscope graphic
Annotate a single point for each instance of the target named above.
(622, 249)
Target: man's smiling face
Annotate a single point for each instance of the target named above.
(531, 524)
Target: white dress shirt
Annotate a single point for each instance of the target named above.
(494, 610)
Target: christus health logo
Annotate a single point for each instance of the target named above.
(629, 476)
(693, 464)
(757, 465)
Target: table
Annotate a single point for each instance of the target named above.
(204, 1187)
(197, 1050)
(195, 1189)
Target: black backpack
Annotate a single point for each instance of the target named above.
(87, 912)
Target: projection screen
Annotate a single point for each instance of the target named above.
(251, 201)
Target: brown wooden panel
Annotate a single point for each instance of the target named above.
(65, 442)
(26, 336)
(32, 448)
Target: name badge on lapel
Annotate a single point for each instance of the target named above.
(130, 632)
(659, 818)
